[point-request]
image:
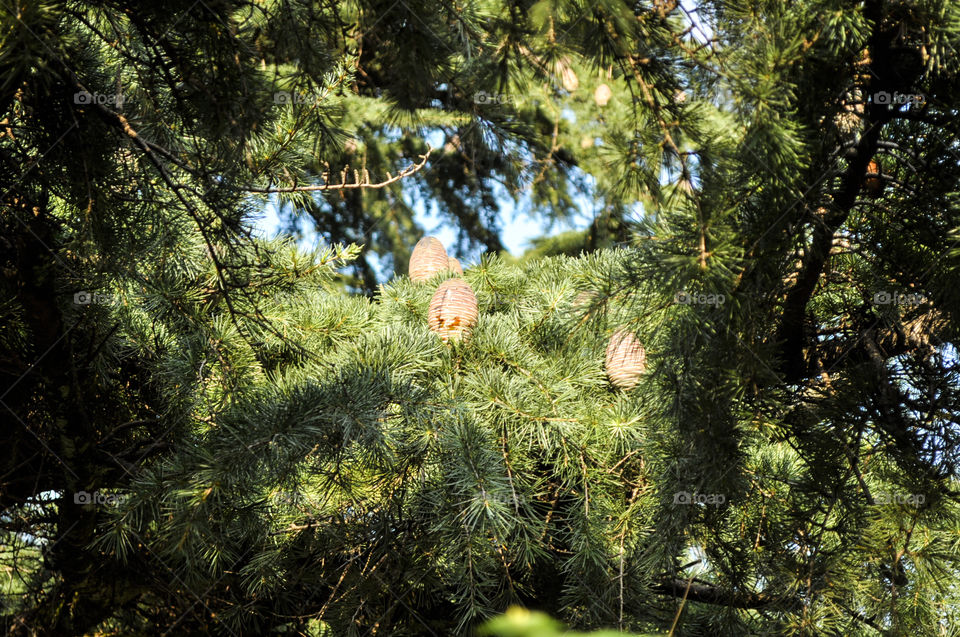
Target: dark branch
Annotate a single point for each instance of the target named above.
(709, 594)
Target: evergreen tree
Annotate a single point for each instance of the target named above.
(212, 432)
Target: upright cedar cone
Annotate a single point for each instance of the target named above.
(568, 78)
(454, 265)
(626, 359)
(873, 183)
(583, 299)
(602, 95)
(453, 310)
(427, 259)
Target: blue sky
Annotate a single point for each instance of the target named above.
(518, 228)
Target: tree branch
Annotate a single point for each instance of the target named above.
(709, 594)
(359, 182)
(791, 333)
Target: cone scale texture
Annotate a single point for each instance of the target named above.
(453, 310)
(626, 360)
(428, 258)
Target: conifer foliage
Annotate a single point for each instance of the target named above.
(727, 407)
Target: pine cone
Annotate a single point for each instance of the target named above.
(454, 266)
(873, 183)
(453, 310)
(568, 78)
(584, 299)
(427, 259)
(602, 95)
(626, 360)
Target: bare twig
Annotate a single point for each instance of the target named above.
(357, 183)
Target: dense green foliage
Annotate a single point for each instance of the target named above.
(212, 432)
